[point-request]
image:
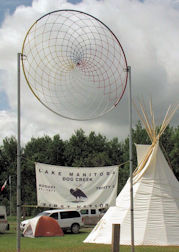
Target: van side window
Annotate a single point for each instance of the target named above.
(84, 211)
(69, 214)
(93, 211)
(54, 215)
(2, 217)
(102, 210)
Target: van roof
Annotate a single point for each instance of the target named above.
(59, 210)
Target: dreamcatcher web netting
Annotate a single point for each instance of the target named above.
(74, 64)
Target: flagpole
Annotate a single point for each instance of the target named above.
(18, 154)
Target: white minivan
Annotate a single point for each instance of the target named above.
(92, 216)
(68, 219)
(3, 220)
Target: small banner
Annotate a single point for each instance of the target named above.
(74, 187)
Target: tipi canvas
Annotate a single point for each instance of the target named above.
(156, 201)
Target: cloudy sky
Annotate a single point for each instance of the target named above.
(149, 33)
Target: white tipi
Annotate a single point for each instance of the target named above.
(156, 198)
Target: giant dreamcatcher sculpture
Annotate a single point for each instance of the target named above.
(74, 64)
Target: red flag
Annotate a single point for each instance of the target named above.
(4, 185)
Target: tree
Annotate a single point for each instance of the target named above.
(75, 149)
(93, 150)
(173, 153)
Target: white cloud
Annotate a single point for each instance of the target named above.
(8, 124)
(148, 33)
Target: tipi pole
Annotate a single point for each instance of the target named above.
(18, 154)
(131, 161)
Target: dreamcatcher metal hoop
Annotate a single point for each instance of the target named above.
(74, 64)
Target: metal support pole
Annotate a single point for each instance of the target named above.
(131, 161)
(18, 154)
(10, 197)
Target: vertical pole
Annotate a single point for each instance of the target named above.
(18, 154)
(131, 161)
(10, 197)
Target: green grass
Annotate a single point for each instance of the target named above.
(67, 243)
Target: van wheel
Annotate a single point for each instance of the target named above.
(75, 228)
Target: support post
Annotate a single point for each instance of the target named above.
(18, 154)
(131, 161)
(115, 237)
(10, 197)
